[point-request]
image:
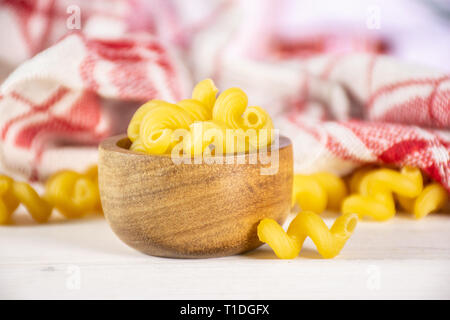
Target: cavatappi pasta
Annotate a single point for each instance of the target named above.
(376, 189)
(432, 198)
(13, 193)
(318, 191)
(220, 126)
(158, 125)
(205, 91)
(39, 209)
(287, 245)
(203, 134)
(73, 194)
(372, 195)
(197, 110)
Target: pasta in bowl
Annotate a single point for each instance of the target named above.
(172, 195)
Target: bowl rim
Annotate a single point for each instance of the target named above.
(111, 144)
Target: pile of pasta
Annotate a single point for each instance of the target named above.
(372, 193)
(201, 124)
(73, 194)
(375, 193)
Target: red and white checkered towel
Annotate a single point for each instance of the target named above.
(399, 114)
(56, 107)
(341, 110)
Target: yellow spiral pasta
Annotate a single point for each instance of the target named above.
(8, 202)
(376, 188)
(92, 174)
(287, 245)
(135, 124)
(137, 146)
(240, 140)
(13, 193)
(204, 134)
(231, 108)
(205, 92)
(72, 193)
(256, 118)
(318, 191)
(197, 110)
(356, 178)
(432, 198)
(39, 209)
(335, 189)
(157, 126)
(309, 194)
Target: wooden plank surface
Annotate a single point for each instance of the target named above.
(83, 259)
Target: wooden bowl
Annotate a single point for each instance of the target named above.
(190, 210)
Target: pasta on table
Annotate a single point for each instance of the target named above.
(373, 193)
(73, 194)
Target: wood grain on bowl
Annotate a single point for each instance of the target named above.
(190, 210)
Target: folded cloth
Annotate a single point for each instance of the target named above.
(341, 110)
(403, 111)
(56, 107)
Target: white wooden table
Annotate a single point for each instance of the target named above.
(83, 259)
